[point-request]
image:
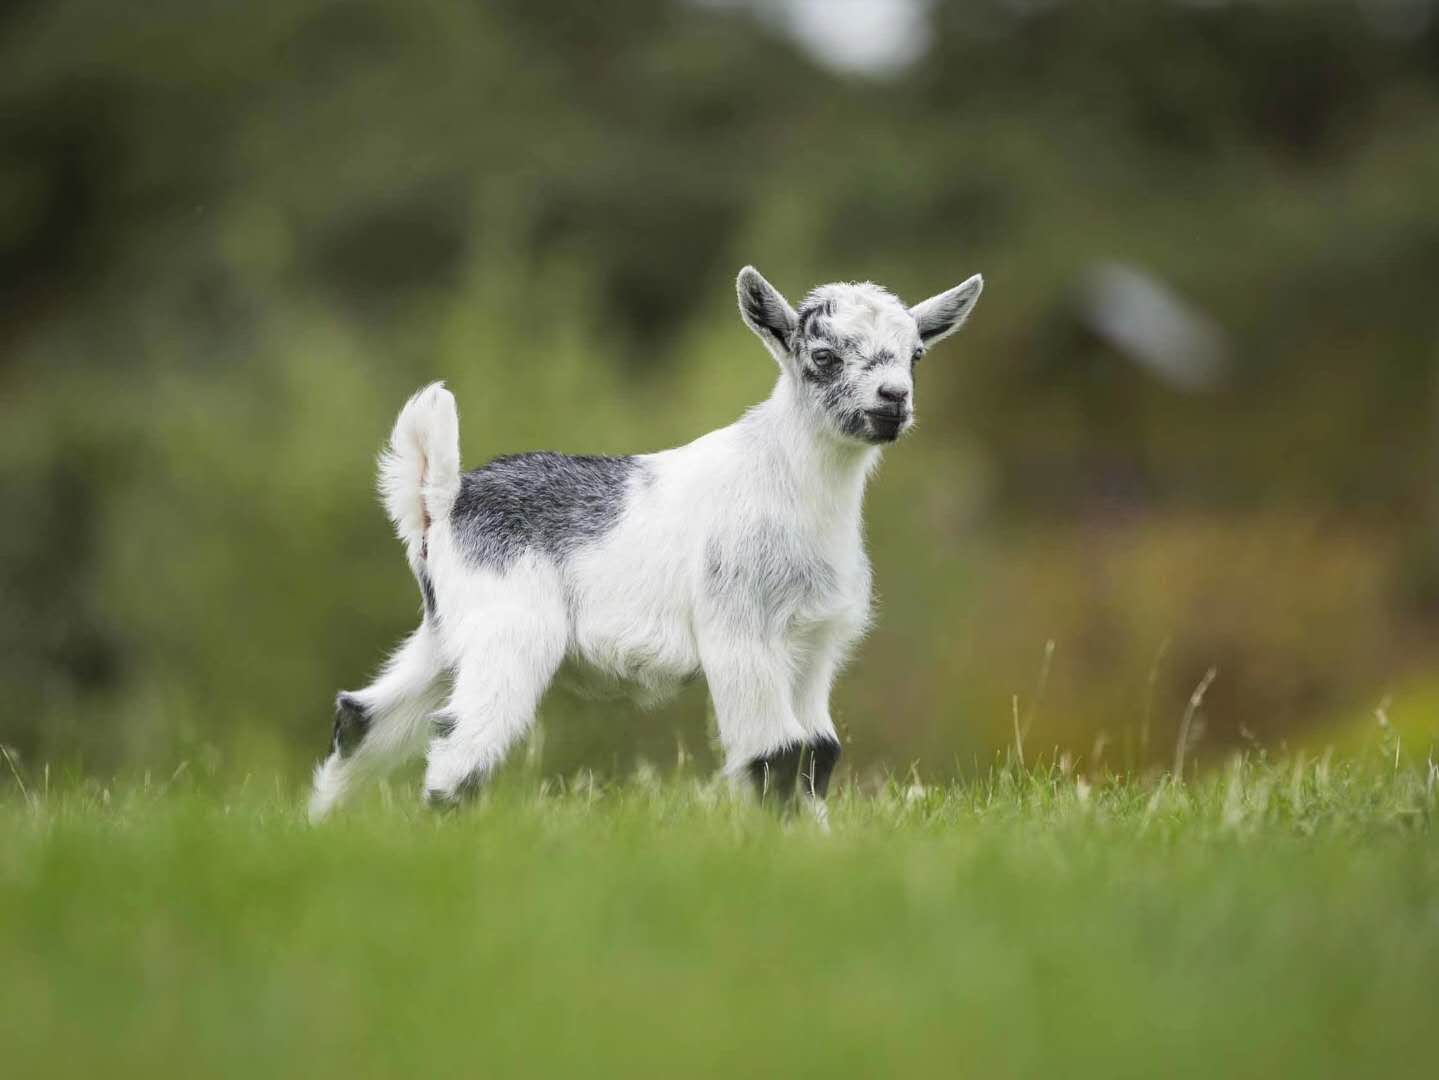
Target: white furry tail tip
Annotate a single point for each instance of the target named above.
(420, 469)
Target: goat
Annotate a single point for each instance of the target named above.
(739, 556)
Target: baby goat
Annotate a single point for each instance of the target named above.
(740, 556)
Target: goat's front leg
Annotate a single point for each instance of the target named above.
(812, 690)
(751, 684)
(824, 655)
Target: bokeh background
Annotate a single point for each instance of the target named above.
(1193, 425)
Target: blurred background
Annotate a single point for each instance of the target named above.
(1193, 425)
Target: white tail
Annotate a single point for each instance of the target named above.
(420, 469)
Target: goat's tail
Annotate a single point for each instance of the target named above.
(420, 469)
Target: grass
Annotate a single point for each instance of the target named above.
(1269, 918)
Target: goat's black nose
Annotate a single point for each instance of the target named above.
(895, 395)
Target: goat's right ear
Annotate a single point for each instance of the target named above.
(766, 312)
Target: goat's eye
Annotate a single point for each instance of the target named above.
(825, 358)
(916, 356)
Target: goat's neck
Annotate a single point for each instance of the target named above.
(823, 474)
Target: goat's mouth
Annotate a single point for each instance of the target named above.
(886, 425)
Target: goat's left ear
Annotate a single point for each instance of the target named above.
(766, 312)
(942, 315)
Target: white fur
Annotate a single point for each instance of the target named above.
(420, 468)
(739, 555)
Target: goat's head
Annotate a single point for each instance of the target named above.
(851, 349)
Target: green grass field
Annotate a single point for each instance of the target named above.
(1268, 919)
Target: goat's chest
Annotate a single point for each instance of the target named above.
(784, 577)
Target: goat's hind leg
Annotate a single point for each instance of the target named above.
(505, 667)
(380, 726)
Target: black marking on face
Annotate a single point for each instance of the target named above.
(883, 430)
(823, 756)
(843, 399)
(351, 723)
(839, 391)
(810, 311)
(553, 503)
(812, 367)
(821, 375)
(839, 402)
(774, 775)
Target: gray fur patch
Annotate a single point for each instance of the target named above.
(549, 502)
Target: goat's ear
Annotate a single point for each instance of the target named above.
(942, 315)
(766, 312)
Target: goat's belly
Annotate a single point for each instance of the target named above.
(647, 688)
(647, 660)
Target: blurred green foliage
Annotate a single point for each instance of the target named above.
(233, 237)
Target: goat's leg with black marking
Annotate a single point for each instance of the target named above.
(380, 726)
(812, 690)
(774, 776)
(815, 773)
(752, 689)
